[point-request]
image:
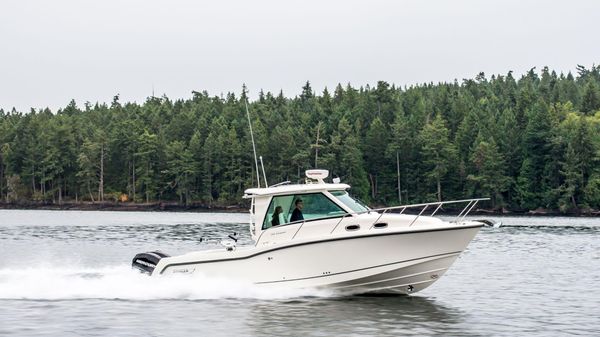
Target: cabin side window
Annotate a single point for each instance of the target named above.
(314, 206)
(282, 203)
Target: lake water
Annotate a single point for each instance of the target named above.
(67, 273)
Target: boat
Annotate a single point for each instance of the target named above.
(336, 242)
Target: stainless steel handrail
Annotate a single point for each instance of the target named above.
(464, 209)
(469, 210)
(337, 224)
(415, 219)
(299, 228)
(423, 204)
(464, 212)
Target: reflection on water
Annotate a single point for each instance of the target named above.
(354, 316)
(305, 317)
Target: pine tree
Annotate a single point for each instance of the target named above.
(146, 162)
(535, 147)
(439, 153)
(590, 99)
(350, 160)
(181, 169)
(488, 177)
(376, 141)
(571, 171)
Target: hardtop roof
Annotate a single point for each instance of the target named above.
(293, 189)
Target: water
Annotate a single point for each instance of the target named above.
(67, 274)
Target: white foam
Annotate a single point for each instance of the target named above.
(121, 282)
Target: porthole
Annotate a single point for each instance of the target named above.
(352, 227)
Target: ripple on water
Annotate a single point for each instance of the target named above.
(63, 274)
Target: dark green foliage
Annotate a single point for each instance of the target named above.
(590, 99)
(526, 143)
(488, 167)
(536, 149)
(375, 145)
(439, 153)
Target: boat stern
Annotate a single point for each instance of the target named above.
(146, 262)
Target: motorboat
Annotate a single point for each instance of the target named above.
(316, 235)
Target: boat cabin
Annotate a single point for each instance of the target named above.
(317, 200)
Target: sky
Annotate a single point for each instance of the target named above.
(55, 51)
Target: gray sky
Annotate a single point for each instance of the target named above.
(55, 51)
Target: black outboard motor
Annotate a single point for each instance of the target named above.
(146, 262)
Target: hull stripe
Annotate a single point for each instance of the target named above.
(392, 278)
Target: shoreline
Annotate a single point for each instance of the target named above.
(236, 208)
(126, 207)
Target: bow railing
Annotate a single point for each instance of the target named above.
(423, 207)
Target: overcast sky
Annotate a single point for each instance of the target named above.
(55, 51)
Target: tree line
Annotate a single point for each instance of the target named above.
(526, 143)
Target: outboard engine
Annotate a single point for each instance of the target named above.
(146, 262)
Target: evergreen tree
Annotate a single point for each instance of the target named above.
(350, 166)
(590, 100)
(91, 161)
(535, 147)
(438, 152)
(146, 159)
(376, 141)
(181, 170)
(488, 177)
(571, 171)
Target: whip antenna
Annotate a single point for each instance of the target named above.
(253, 146)
(262, 165)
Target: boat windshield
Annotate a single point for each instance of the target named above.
(349, 201)
(282, 209)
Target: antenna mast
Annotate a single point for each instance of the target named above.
(399, 186)
(253, 146)
(263, 169)
(317, 144)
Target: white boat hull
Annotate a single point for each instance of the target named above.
(399, 260)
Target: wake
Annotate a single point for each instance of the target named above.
(121, 282)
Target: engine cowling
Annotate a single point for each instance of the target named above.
(146, 262)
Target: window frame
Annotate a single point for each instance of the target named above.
(295, 195)
(355, 200)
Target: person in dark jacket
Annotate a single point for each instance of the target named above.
(275, 219)
(297, 213)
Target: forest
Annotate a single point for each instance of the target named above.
(527, 143)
